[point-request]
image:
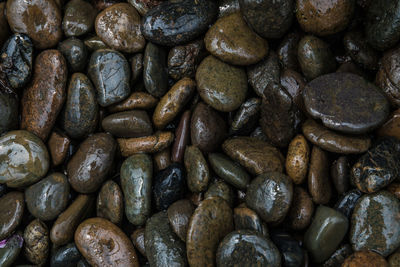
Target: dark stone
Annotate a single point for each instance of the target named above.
(110, 202)
(75, 51)
(247, 219)
(347, 202)
(340, 174)
(287, 51)
(219, 188)
(246, 117)
(292, 253)
(9, 252)
(227, 7)
(155, 75)
(338, 257)
(65, 256)
(12, 207)
(360, 51)
(8, 111)
(79, 16)
(134, 123)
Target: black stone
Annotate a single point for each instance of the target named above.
(66, 256)
(75, 52)
(347, 202)
(155, 71)
(292, 253)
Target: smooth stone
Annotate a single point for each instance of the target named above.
(264, 73)
(94, 43)
(246, 117)
(294, 84)
(136, 67)
(96, 151)
(394, 188)
(169, 186)
(219, 188)
(137, 100)
(102, 242)
(392, 126)
(348, 201)
(394, 259)
(230, 171)
(65, 256)
(16, 58)
(162, 159)
(375, 223)
(315, 57)
(319, 184)
(163, 246)
(227, 7)
(324, 17)
(270, 195)
(148, 144)
(12, 207)
(119, 27)
(334, 142)
(143, 6)
(290, 249)
(44, 97)
(378, 167)
(247, 248)
(36, 242)
(58, 145)
(4, 28)
(198, 173)
(287, 51)
(8, 112)
(331, 98)
(110, 74)
(222, 86)
(49, 197)
(75, 52)
(340, 172)
(137, 238)
(183, 59)
(81, 111)
(179, 214)
(382, 26)
(155, 70)
(39, 19)
(110, 202)
(136, 181)
(79, 17)
(247, 219)
(338, 257)
(270, 19)
(103, 4)
(365, 258)
(360, 51)
(211, 221)
(302, 209)
(63, 229)
(280, 117)
(24, 159)
(325, 233)
(297, 159)
(134, 123)
(172, 103)
(9, 252)
(182, 137)
(231, 40)
(255, 155)
(178, 22)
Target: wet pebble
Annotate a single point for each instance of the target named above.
(360, 51)
(246, 117)
(302, 209)
(198, 173)
(138, 240)
(75, 52)
(149, 144)
(365, 258)
(66, 256)
(247, 219)
(155, 71)
(340, 172)
(134, 123)
(297, 159)
(290, 249)
(79, 17)
(37, 243)
(58, 145)
(8, 112)
(183, 59)
(110, 202)
(143, 6)
(219, 188)
(287, 51)
(4, 28)
(319, 184)
(9, 252)
(392, 126)
(179, 214)
(182, 137)
(338, 257)
(137, 100)
(348, 201)
(162, 159)
(12, 206)
(394, 188)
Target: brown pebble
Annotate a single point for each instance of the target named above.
(318, 176)
(4, 28)
(179, 214)
(162, 159)
(301, 210)
(182, 137)
(297, 159)
(365, 259)
(391, 126)
(394, 188)
(44, 97)
(196, 198)
(198, 173)
(110, 202)
(137, 238)
(137, 100)
(36, 242)
(248, 219)
(148, 144)
(340, 171)
(12, 208)
(58, 147)
(294, 84)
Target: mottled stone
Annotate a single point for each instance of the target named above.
(247, 219)
(347, 202)
(198, 173)
(297, 159)
(75, 51)
(37, 243)
(10, 250)
(366, 259)
(183, 59)
(149, 144)
(79, 17)
(338, 257)
(143, 6)
(137, 100)
(110, 202)
(218, 188)
(134, 123)
(162, 159)
(12, 207)
(4, 28)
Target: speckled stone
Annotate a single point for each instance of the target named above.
(37, 243)
(137, 100)
(8, 112)
(12, 207)
(143, 6)
(218, 188)
(297, 159)
(148, 144)
(198, 173)
(79, 17)
(110, 202)
(366, 259)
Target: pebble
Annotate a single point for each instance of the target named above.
(292, 253)
(324, 17)
(37, 243)
(315, 57)
(378, 167)
(255, 155)
(10, 251)
(183, 59)
(287, 51)
(119, 27)
(222, 86)
(302, 209)
(58, 145)
(392, 126)
(219, 188)
(178, 22)
(297, 159)
(163, 246)
(227, 7)
(247, 248)
(75, 52)
(246, 117)
(39, 19)
(394, 188)
(24, 159)
(49, 197)
(333, 141)
(136, 181)
(347, 202)
(16, 58)
(360, 51)
(138, 240)
(325, 233)
(198, 173)
(338, 257)
(8, 112)
(366, 259)
(102, 243)
(127, 124)
(149, 144)
(270, 195)
(136, 67)
(294, 84)
(231, 40)
(143, 6)
(319, 184)
(394, 259)
(94, 43)
(162, 159)
(331, 98)
(247, 219)
(5, 29)
(155, 70)
(182, 137)
(110, 202)
(44, 97)
(66, 256)
(137, 100)
(12, 207)
(375, 223)
(340, 172)
(211, 221)
(110, 74)
(79, 17)
(81, 111)
(173, 102)
(96, 151)
(179, 214)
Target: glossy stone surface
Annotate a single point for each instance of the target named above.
(301, 210)
(66, 256)
(8, 112)
(134, 123)
(182, 137)
(110, 202)
(360, 51)
(12, 206)
(23, 160)
(297, 159)
(338, 257)
(365, 258)
(179, 214)
(149, 144)
(155, 72)
(319, 184)
(287, 51)
(218, 188)
(340, 174)
(347, 202)
(246, 117)
(247, 219)
(292, 252)
(136, 181)
(392, 126)
(58, 145)
(198, 173)
(331, 99)
(37, 243)
(75, 52)
(143, 6)
(10, 251)
(79, 17)
(137, 100)
(138, 240)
